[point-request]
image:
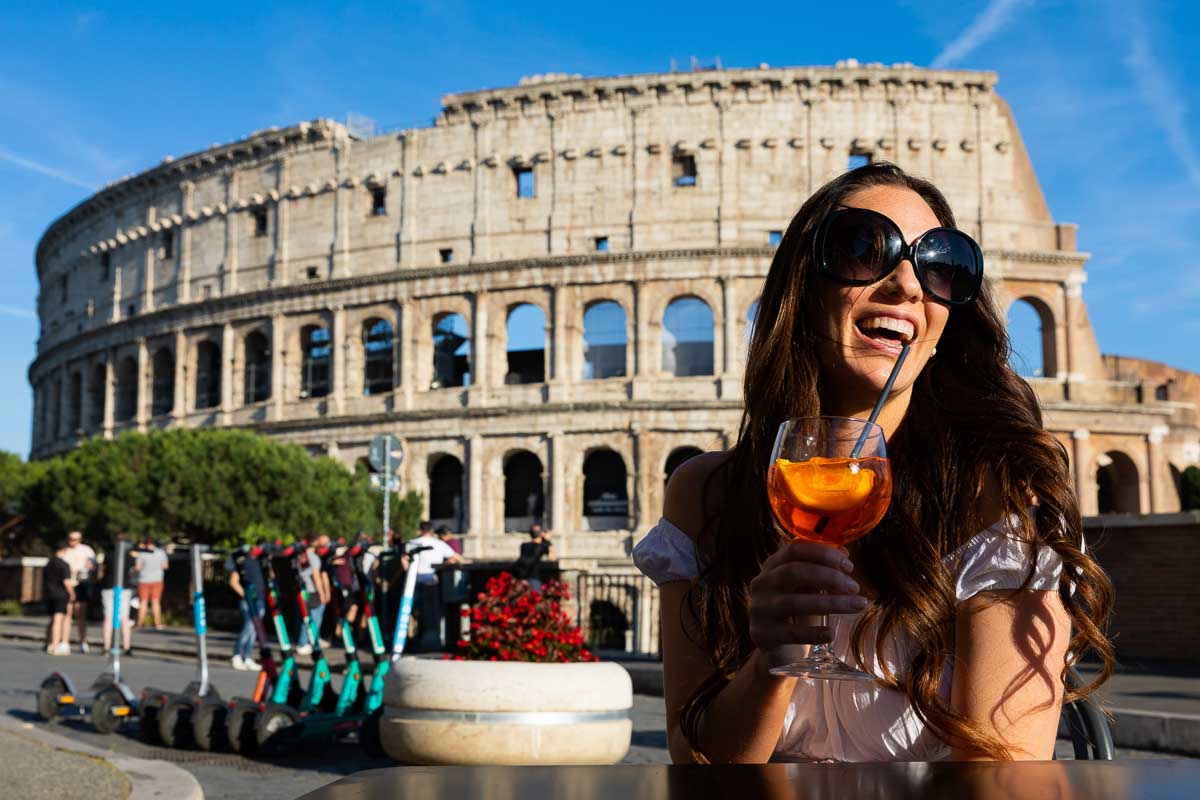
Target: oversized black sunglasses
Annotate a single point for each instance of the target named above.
(856, 247)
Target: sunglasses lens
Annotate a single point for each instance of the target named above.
(950, 264)
(859, 247)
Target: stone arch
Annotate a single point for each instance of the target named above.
(524, 490)
(676, 457)
(447, 495)
(525, 344)
(125, 408)
(379, 356)
(688, 337)
(208, 374)
(256, 367)
(451, 350)
(1118, 490)
(1031, 329)
(316, 361)
(605, 340)
(605, 491)
(162, 381)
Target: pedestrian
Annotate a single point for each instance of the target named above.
(108, 580)
(316, 590)
(59, 592)
(151, 569)
(342, 566)
(251, 593)
(426, 602)
(538, 547)
(82, 560)
(446, 535)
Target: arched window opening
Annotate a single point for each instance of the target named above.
(315, 355)
(127, 389)
(208, 375)
(525, 337)
(451, 352)
(1031, 333)
(607, 626)
(75, 402)
(751, 321)
(162, 382)
(1117, 486)
(54, 415)
(256, 371)
(687, 338)
(524, 492)
(378, 357)
(446, 493)
(96, 396)
(605, 497)
(604, 341)
(677, 457)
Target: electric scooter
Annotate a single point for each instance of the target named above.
(166, 717)
(369, 736)
(113, 702)
(242, 717)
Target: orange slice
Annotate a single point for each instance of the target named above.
(826, 485)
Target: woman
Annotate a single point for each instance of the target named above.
(59, 591)
(954, 601)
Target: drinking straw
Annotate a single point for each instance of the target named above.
(862, 437)
(887, 389)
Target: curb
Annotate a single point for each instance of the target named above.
(148, 780)
(1156, 730)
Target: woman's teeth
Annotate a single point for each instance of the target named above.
(903, 330)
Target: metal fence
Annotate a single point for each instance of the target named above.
(618, 613)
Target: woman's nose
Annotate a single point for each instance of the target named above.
(902, 282)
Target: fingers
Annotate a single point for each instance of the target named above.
(768, 637)
(798, 550)
(803, 576)
(787, 606)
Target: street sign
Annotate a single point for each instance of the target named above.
(385, 453)
(377, 481)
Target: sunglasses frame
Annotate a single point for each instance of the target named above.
(908, 252)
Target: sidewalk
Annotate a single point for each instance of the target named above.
(41, 765)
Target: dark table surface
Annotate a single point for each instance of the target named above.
(1038, 780)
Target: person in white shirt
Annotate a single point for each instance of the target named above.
(82, 560)
(426, 607)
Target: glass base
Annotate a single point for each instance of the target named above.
(820, 666)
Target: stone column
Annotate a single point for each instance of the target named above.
(183, 286)
(229, 269)
(406, 355)
(642, 366)
(278, 353)
(338, 351)
(1072, 314)
(179, 406)
(339, 251)
(477, 522)
(730, 385)
(558, 481)
(109, 392)
(1085, 484)
(148, 260)
(85, 401)
(115, 315)
(282, 221)
(480, 365)
(227, 347)
(142, 407)
(1154, 463)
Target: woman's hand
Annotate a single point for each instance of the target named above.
(795, 586)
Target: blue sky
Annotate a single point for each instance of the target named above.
(1104, 93)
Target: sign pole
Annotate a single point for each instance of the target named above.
(387, 493)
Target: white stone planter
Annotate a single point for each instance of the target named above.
(506, 712)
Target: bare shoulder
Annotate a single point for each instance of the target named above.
(690, 493)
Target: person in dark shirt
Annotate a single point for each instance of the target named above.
(532, 552)
(246, 573)
(59, 592)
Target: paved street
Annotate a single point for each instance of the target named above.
(225, 775)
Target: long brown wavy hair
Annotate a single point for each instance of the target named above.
(971, 418)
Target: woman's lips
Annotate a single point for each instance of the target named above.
(882, 345)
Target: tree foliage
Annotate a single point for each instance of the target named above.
(1189, 489)
(213, 486)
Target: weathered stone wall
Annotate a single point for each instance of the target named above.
(309, 226)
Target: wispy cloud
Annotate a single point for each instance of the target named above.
(986, 24)
(16, 311)
(1161, 95)
(44, 169)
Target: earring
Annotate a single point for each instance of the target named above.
(934, 353)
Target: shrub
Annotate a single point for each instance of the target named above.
(10, 608)
(513, 622)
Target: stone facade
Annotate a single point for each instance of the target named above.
(242, 285)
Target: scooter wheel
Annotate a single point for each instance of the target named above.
(148, 713)
(369, 735)
(104, 719)
(208, 727)
(278, 728)
(175, 723)
(239, 729)
(47, 698)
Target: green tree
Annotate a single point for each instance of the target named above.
(1189, 489)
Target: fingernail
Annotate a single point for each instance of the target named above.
(847, 565)
(858, 601)
(851, 584)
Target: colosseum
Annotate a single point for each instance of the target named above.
(546, 294)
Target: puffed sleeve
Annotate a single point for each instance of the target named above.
(666, 554)
(999, 558)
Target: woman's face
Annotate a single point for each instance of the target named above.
(855, 351)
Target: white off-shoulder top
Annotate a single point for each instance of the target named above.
(859, 721)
